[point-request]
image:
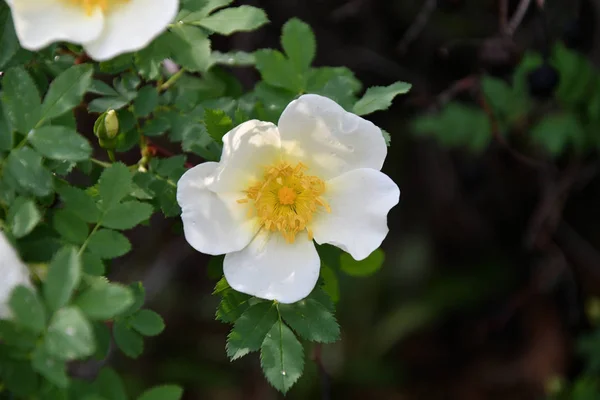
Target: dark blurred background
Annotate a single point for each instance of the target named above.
(490, 262)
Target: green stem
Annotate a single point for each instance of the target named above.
(174, 78)
(87, 240)
(111, 155)
(100, 163)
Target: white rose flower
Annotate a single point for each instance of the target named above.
(105, 28)
(13, 273)
(314, 176)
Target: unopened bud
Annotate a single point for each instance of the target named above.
(106, 129)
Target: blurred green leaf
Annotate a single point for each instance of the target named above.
(380, 97)
(79, 203)
(109, 385)
(130, 342)
(9, 44)
(147, 322)
(22, 217)
(275, 69)
(164, 392)
(191, 47)
(50, 367)
(217, 124)
(234, 19)
(366, 267)
(70, 226)
(28, 311)
(146, 101)
(299, 43)
(70, 335)
(556, 132)
(104, 300)
(63, 277)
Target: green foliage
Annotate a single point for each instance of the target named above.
(67, 195)
(380, 98)
(365, 267)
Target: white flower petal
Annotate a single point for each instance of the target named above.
(131, 26)
(212, 223)
(329, 140)
(271, 268)
(13, 273)
(41, 22)
(360, 201)
(247, 149)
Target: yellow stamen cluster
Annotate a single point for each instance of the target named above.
(90, 5)
(286, 199)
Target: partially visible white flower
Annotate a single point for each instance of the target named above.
(105, 28)
(13, 273)
(276, 188)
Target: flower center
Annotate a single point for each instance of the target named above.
(286, 199)
(90, 5)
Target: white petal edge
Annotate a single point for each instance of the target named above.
(213, 223)
(272, 269)
(329, 140)
(13, 273)
(360, 201)
(41, 22)
(131, 26)
(247, 150)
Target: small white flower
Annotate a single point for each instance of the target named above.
(105, 28)
(314, 176)
(13, 273)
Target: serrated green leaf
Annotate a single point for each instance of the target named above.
(114, 184)
(70, 226)
(70, 335)
(108, 244)
(104, 300)
(130, 342)
(127, 215)
(163, 392)
(103, 339)
(80, 203)
(25, 167)
(22, 217)
(234, 19)
(250, 329)
(63, 277)
(147, 322)
(146, 101)
(233, 304)
(60, 143)
(281, 357)
(110, 385)
(311, 320)
(380, 97)
(66, 90)
(21, 99)
(233, 59)
(365, 267)
(191, 47)
(7, 138)
(139, 296)
(217, 124)
(27, 309)
(9, 44)
(92, 264)
(299, 43)
(278, 71)
(50, 367)
(197, 9)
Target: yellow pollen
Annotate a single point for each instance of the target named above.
(286, 199)
(287, 195)
(90, 5)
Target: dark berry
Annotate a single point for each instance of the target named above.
(543, 81)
